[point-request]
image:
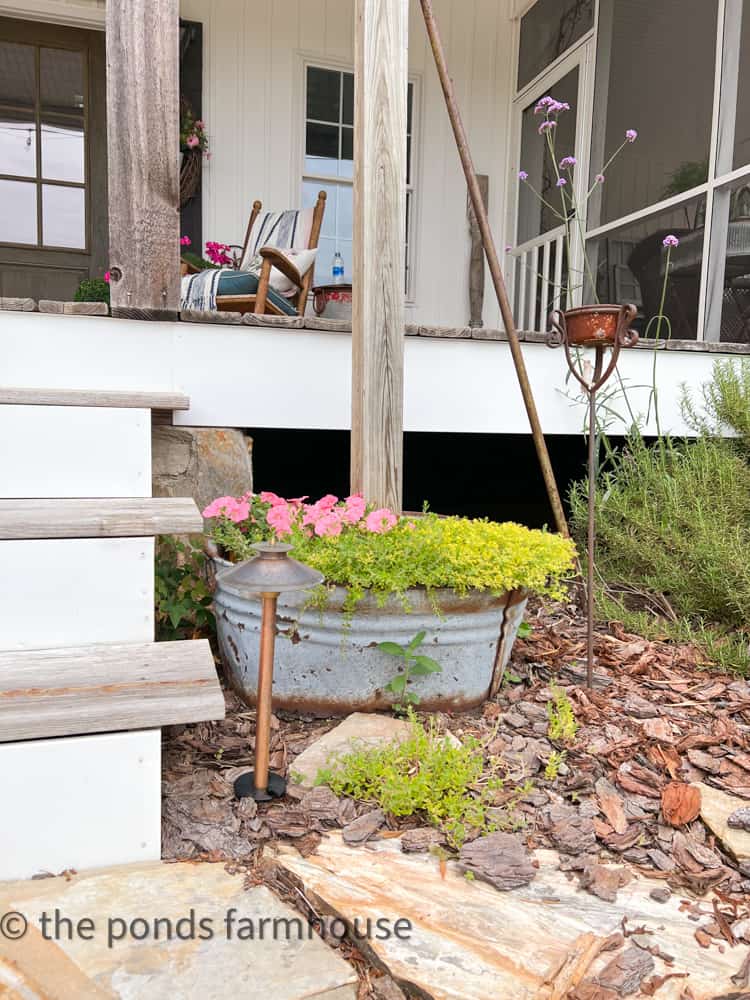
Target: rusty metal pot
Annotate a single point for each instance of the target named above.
(590, 326)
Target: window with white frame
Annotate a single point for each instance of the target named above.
(683, 82)
(329, 164)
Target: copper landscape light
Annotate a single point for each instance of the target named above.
(269, 574)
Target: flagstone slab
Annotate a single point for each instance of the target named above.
(471, 942)
(181, 956)
(716, 808)
(359, 729)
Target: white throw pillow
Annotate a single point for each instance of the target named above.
(303, 260)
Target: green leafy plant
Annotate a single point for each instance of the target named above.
(196, 261)
(524, 630)
(182, 593)
(415, 664)
(430, 776)
(562, 726)
(555, 759)
(92, 290)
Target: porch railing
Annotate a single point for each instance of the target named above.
(537, 279)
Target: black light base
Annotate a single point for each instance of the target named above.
(244, 787)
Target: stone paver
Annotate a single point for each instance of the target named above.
(196, 951)
(716, 808)
(360, 728)
(472, 942)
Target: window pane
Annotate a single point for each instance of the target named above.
(63, 216)
(409, 107)
(736, 79)
(731, 224)
(61, 80)
(323, 94)
(17, 144)
(548, 30)
(535, 218)
(348, 111)
(63, 152)
(629, 266)
(17, 74)
(322, 149)
(668, 100)
(347, 153)
(17, 212)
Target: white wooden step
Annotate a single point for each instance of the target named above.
(92, 397)
(76, 592)
(74, 451)
(107, 688)
(100, 518)
(79, 802)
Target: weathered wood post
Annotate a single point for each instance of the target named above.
(380, 87)
(143, 150)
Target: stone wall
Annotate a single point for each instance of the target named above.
(200, 462)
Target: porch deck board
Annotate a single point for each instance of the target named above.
(100, 518)
(92, 397)
(107, 688)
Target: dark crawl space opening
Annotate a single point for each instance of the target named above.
(477, 475)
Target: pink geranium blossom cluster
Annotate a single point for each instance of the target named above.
(219, 253)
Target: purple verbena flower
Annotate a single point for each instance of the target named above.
(599, 178)
(631, 135)
(546, 126)
(561, 182)
(522, 175)
(670, 241)
(567, 161)
(508, 248)
(542, 105)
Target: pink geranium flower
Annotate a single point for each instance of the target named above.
(380, 521)
(185, 241)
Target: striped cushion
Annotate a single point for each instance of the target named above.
(283, 230)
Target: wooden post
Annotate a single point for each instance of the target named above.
(143, 147)
(380, 86)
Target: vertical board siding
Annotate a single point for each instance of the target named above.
(253, 92)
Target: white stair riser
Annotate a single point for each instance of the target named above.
(75, 592)
(72, 452)
(80, 802)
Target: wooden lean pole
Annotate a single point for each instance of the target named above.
(494, 265)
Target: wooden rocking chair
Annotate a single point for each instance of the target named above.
(246, 292)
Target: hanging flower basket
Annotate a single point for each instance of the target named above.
(190, 174)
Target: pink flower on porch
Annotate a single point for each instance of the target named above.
(200, 123)
(107, 277)
(355, 508)
(193, 141)
(381, 521)
(185, 241)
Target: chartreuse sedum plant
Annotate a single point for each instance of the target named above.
(374, 551)
(562, 725)
(428, 775)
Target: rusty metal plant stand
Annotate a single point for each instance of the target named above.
(624, 337)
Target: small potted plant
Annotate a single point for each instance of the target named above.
(460, 585)
(588, 325)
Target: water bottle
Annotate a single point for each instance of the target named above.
(338, 269)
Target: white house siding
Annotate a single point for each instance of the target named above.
(254, 52)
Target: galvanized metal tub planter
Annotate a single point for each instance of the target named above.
(327, 662)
